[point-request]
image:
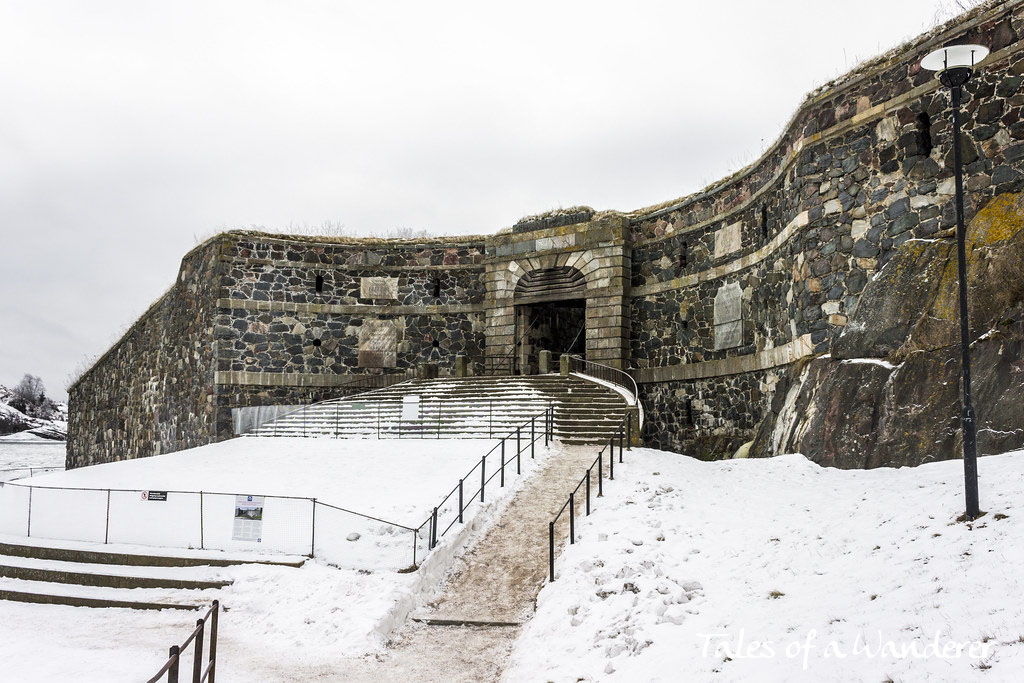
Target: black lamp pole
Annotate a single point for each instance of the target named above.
(954, 79)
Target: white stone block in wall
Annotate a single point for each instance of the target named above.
(728, 239)
(378, 288)
(378, 344)
(728, 316)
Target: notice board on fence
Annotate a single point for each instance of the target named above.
(248, 519)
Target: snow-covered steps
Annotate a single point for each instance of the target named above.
(71, 551)
(93, 575)
(473, 407)
(45, 592)
(104, 575)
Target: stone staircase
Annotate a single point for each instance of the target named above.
(85, 575)
(473, 407)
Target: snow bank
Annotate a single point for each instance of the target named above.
(780, 570)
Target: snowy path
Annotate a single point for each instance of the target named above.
(497, 580)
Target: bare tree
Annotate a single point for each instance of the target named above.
(28, 394)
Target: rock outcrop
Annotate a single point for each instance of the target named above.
(888, 394)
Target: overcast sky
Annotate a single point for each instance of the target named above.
(128, 130)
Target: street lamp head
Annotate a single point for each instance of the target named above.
(954, 64)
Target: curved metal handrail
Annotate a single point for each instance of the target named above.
(607, 373)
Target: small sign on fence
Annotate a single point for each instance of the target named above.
(154, 495)
(248, 519)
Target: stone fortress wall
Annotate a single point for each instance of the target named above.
(707, 300)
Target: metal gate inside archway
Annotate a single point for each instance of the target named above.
(550, 316)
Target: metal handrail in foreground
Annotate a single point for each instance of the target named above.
(199, 673)
(523, 441)
(624, 436)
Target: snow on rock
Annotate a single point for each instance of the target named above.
(781, 570)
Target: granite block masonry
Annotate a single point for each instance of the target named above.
(711, 301)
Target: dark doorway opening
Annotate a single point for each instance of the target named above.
(555, 326)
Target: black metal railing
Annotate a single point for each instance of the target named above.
(623, 435)
(199, 672)
(524, 437)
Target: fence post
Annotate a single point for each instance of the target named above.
(433, 529)
(629, 431)
(620, 443)
(533, 435)
(213, 641)
(172, 673)
(611, 458)
(312, 531)
(551, 550)
(202, 540)
(518, 450)
(545, 428)
(572, 518)
(483, 477)
(503, 463)
(460, 501)
(588, 492)
(197, 653)
(106, 528)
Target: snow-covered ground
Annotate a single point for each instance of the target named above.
(780, 570)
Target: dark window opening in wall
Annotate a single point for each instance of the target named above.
(317, 342)
(924, 130)
(682, 255)
(319, 283)
(437, 287)
(689, 412)
(764, 222)
(436, 343)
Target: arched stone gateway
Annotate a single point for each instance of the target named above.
(561, 289)
(551, 311)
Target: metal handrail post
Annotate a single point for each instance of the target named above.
(460, 501)
(611, 459)
(551, 550)
(518, 451)
(588, 492)
(433, 529)
(213, 641)
(600, 476)
(197, 652)
(503, 463)
(629, 431)
(483, 477)
(533, 436)
(620, 442)
(172, 672)
(572, 519)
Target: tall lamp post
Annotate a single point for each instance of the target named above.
(955, 66)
